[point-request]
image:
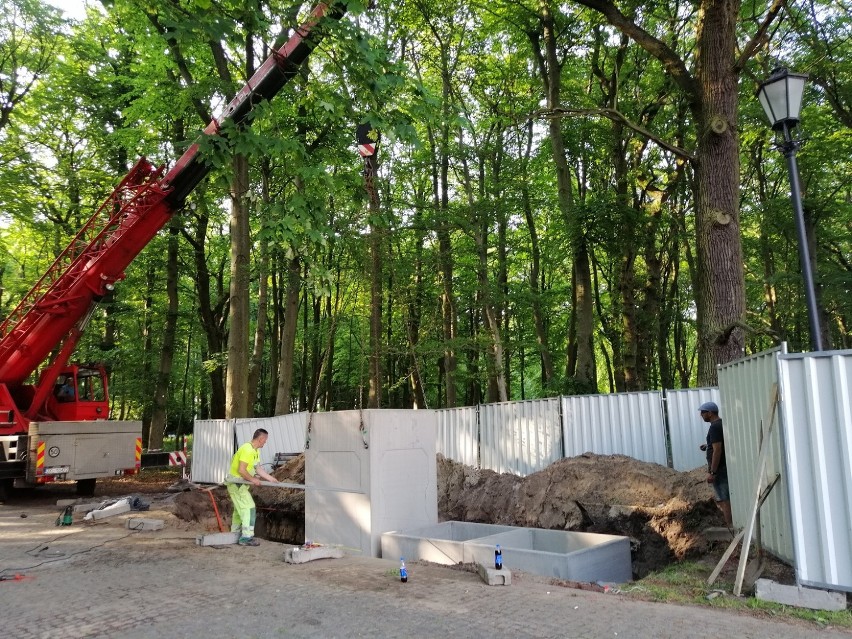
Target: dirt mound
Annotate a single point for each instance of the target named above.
(662, 510)
(197, 505)
(281, 511)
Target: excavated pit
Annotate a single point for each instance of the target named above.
(661, 510)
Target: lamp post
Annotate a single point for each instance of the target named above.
(781, 98)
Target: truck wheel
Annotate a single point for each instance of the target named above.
(7, 486)
(86, 487)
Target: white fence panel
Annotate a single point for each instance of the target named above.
(212, 450)
(286, 434)
(816, 414)
(745, 386)
(520, 437)
(687, 431)
(458, 436)
(624, 423)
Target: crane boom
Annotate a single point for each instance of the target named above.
(129, 219)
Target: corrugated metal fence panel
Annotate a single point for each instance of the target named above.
(817, 424)
(520, 437)
(687, 431)
(624, 423)
(286, 434)
(458, 438)
(745, 386)
(212, 450)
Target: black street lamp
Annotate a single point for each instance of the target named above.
(781, 98)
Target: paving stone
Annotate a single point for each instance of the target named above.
(299, 555)
(137, 523)
(111, 585)
(218, 539)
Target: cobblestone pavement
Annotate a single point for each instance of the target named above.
(101, 580)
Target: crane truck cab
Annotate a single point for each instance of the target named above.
(67, 436)
(79, 393)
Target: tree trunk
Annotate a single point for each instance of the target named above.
(720, 298)
(712, 93)
(256, 360)
(415, 311)
(148, 352)
(237, 399)
(539, 321)
(164, 374)
(210, 313)
(581, 352)
(290, 323)
(374, 399)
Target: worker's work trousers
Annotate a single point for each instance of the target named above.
(244, 510)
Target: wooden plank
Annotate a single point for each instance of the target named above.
(758, 480)
(727, 554)
(753, 572)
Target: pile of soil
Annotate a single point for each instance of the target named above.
(280, 511)
(661, 510)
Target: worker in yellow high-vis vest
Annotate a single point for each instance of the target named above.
(246, 465)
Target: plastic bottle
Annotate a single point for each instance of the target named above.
(403, 572)
(498, 558)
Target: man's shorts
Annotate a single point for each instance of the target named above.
(720, 487)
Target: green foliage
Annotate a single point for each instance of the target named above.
(451, 87)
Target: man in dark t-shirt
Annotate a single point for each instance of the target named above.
(717, 470)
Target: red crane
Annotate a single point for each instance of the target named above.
(54, 314)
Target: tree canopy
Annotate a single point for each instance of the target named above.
(567, 198)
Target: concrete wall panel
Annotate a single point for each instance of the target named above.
(387, 459)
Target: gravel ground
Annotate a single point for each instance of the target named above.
(102, 580)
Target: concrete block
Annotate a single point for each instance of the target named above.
(217, 539)
(85, 508)
(64, 503)
(303, 555)
(574, 556)
(799, 596)
(118, 508)
(718, 534)
(137, 523)
(494, 577)
(441, 544)
(370, 472)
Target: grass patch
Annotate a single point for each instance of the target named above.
(686, 583)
